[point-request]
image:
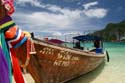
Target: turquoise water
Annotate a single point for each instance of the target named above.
(107, 72)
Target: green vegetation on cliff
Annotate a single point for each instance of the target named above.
(112, 32)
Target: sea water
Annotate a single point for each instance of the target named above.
(108, 72)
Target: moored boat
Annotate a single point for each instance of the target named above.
(57, 64)
(53, 63)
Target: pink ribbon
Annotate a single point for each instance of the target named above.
(8, 4)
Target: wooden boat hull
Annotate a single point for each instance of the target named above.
(57, 64)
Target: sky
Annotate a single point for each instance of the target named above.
(59, 17)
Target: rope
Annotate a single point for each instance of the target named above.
(27, 57)
(30, 50)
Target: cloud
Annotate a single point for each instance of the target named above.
(57, 34)
(88, 5)
(67, 36)
(88, 11)
(97, 12)
(65, 20)
(48, 21)
(94, 12)
(35, 3)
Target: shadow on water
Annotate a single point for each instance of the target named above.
(89, 77)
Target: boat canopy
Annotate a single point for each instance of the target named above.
(87, 38)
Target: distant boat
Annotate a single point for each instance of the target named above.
(122, 39)
(53, 63)
(56, 41)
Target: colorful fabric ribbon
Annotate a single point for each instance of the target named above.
(10, 35)
(16, 68)
(14, 36)
(4, 74)
(9, 6)
(6, 54)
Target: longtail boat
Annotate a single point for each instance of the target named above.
(53, 63)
